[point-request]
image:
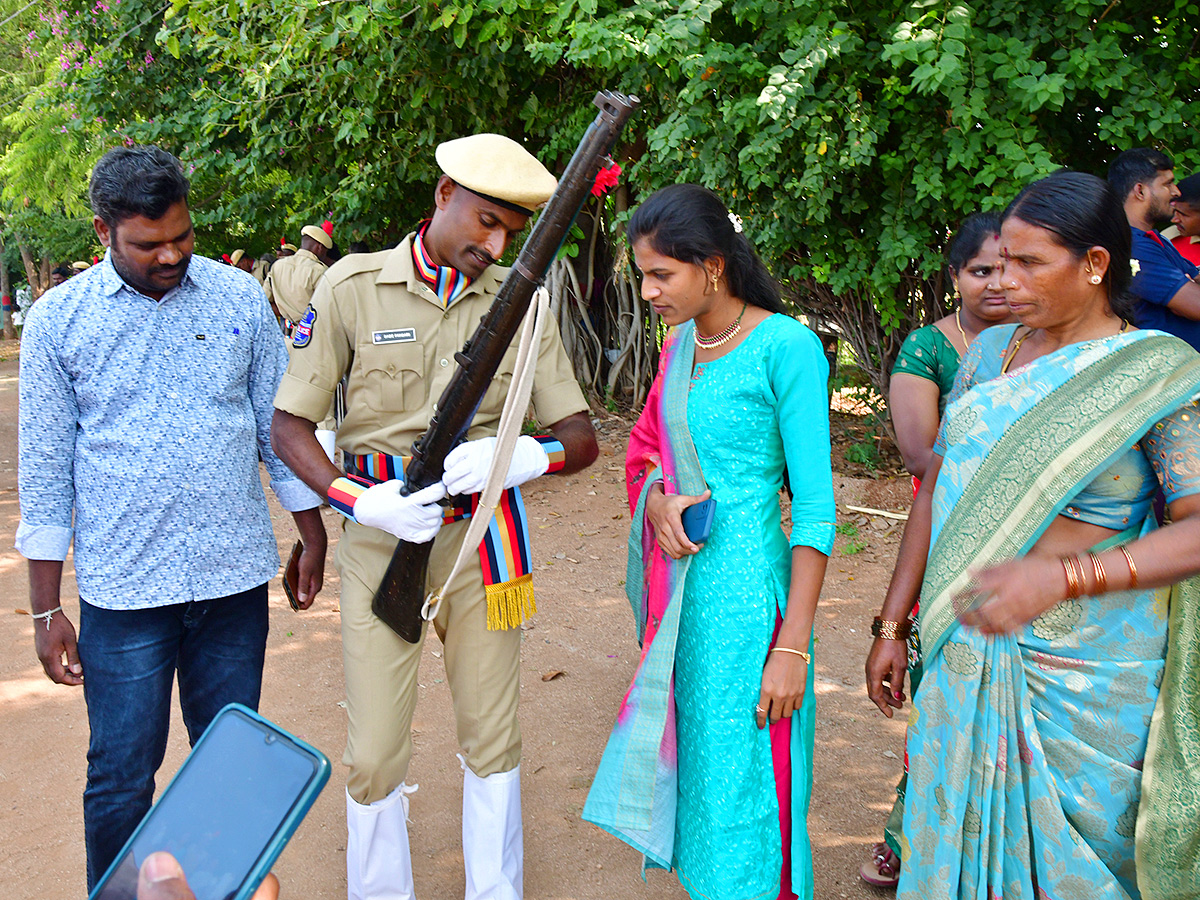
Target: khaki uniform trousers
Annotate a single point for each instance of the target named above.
(482, 667)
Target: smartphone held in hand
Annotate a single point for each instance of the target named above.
(291, 576)
(698, 520)
(229, 811)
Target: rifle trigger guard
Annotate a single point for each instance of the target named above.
(433, 603)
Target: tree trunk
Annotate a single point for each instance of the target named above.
(10, 333)
(38, 274)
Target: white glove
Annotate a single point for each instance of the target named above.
(415, 518)
(467, 464)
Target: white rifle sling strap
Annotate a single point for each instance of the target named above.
(511, 419)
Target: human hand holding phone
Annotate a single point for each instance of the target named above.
(666, 513)
(225, 817)
(162, 878)
(291, 578)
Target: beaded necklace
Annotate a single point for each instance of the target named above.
(724, 336)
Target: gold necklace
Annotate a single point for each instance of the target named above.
(724, 336)
(1008, 362)
(958, 322)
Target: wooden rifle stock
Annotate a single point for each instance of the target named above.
(400, 597)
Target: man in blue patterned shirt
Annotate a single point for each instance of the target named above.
(146, 390)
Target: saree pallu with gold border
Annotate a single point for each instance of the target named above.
(1061, 762)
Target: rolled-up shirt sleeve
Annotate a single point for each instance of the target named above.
(46, 422)
(268, 364)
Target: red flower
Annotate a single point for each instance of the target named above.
(606, 180)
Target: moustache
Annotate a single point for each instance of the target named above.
(482, 254)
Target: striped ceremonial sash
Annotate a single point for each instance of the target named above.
(504, 553)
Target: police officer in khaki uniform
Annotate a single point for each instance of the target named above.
(294, 278)
(259, 269)
(393, 321)
(238, 259)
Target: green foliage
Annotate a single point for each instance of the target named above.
(865, 453)
(849, 529)
(850, 138)
(852, 547)
(58, 237)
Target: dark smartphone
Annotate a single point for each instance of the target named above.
(698, 520)
(291, 576)
(229, 811)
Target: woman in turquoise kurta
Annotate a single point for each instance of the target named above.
(709, 767)
(1054, 747)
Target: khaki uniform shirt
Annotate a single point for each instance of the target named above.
(293, 280)
(378, 321)
(259, 271)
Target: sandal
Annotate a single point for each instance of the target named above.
(882, 870)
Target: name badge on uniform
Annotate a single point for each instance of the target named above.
(302, 333)
(395, 336)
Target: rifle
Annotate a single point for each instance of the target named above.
(400, 597)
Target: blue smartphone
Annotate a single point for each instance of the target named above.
(698, 520)
(228, 812)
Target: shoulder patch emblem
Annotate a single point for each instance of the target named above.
(302, 333)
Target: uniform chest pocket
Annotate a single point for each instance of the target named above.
(493, 399)
(393, 376)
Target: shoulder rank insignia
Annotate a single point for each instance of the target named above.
(302, 333)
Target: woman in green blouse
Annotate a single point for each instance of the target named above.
(928, 360)
(921, 382)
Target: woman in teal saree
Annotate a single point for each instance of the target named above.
(1054, 744)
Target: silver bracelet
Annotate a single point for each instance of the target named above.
(47, 615)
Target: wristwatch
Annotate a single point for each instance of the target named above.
(891, 631)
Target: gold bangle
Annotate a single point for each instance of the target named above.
(802, 654)
(1101, 575)
(1077, 562)
(1132, 567)
(1073, 587)
(891, 631)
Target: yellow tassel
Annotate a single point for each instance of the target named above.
(509, 603)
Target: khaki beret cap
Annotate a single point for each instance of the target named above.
(80, 265)
(236, 256)
(287, 246)
(497, 168)
(317, 234)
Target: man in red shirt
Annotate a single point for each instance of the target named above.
(1186, 219)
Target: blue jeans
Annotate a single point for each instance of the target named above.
(129, 660)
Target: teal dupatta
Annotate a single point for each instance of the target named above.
(634, 793)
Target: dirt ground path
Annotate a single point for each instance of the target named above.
(583, 629)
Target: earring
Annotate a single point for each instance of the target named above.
(715, 279)
(1095, 279)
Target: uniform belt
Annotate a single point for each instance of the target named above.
(504, 553)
